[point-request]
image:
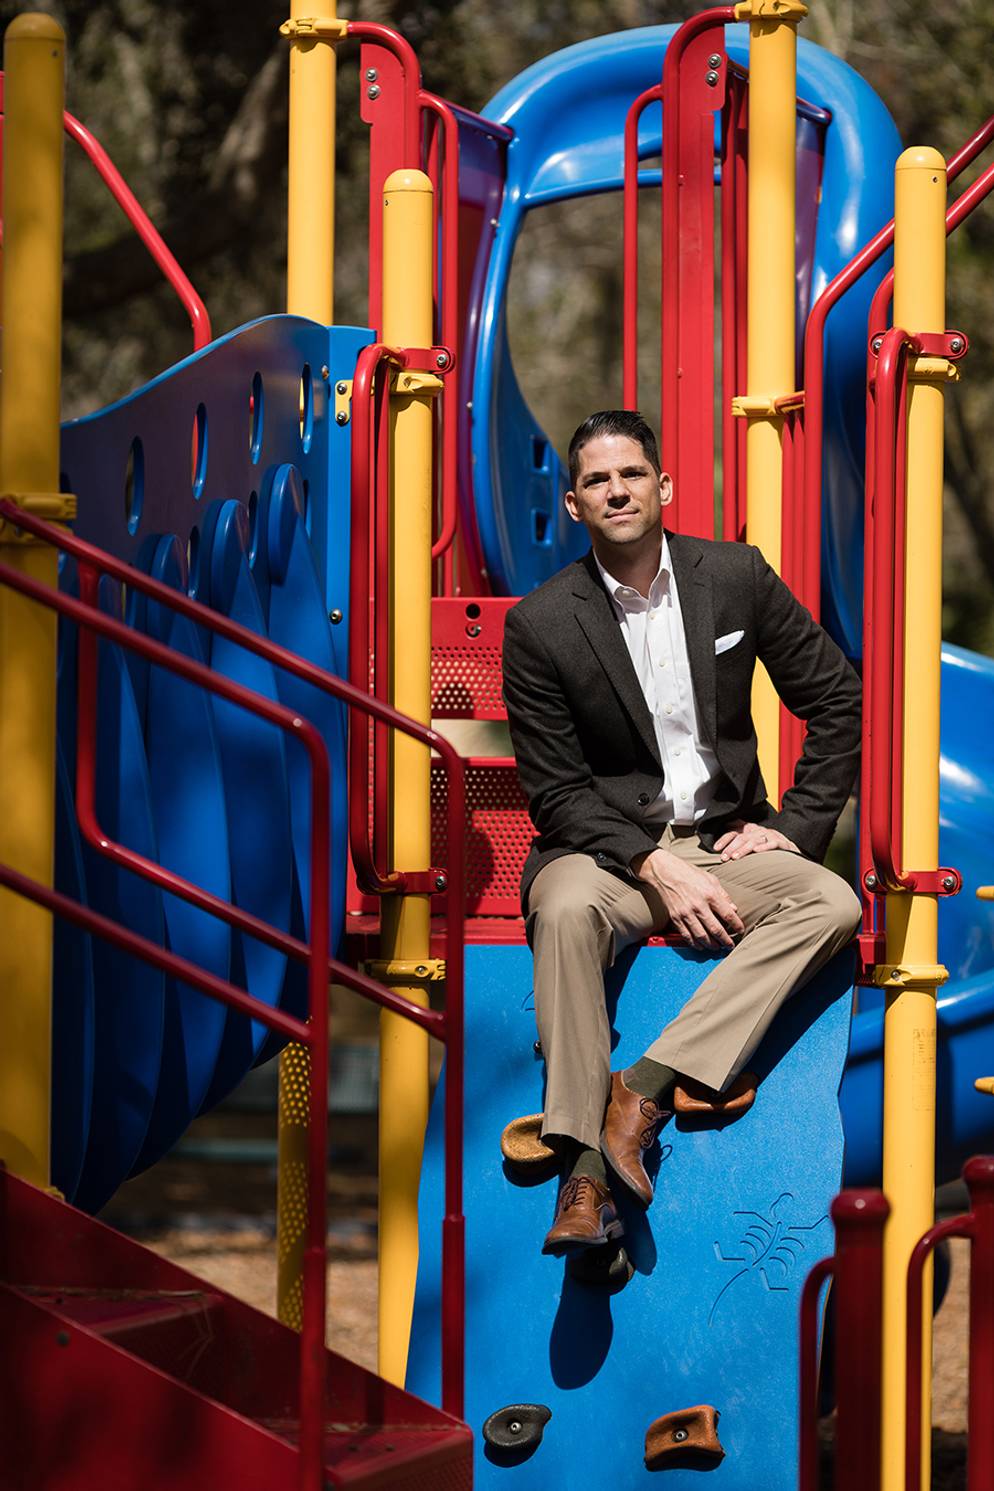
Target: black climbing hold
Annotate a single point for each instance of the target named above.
(609, 1267)
(518, 1427)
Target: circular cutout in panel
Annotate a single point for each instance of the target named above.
(199, 464)
(256, 414)
(134, 485)
(306, 407)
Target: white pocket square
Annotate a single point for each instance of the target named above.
(722, 644)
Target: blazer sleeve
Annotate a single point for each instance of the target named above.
(815, 681)
(567, 810)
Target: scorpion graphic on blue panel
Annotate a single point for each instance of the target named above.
(770, 1248)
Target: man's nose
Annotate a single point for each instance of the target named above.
(618, 487)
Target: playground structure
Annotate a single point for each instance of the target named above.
(190, 921)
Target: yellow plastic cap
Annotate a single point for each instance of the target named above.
(920, 158)
(33, 26)
(407, 181)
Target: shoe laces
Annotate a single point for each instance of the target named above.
(573, 1190)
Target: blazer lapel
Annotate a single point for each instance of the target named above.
(693, 583)
(597, 619)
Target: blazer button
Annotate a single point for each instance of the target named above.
(643, 799)
(600, 858)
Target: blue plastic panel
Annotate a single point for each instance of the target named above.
(710, 1316)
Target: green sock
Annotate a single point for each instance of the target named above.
(589, 1162)
(650, 1079)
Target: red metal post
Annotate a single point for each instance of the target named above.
(979, 1176)
(630, 240)
(448, 321)
(859, 1218)
(733, 303)
(694, 73)
(808, 1393)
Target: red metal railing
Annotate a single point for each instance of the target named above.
(140, 221)
(445, 1025)
(978, 1226)
(857, 1269)
(447, 222)
(630, 240)
(814, 347)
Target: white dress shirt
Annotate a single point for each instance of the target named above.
(657, 644)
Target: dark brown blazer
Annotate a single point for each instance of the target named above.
(583, 735)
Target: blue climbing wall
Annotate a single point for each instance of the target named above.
(739, 1216)
(225, 479)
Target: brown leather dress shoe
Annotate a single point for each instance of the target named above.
(630, 1125)
(585, 1217)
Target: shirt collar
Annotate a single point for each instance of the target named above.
(620, 592)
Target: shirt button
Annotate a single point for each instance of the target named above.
(663, 663)
(669, 709)
(683, 797)
(643, 799)
(678, 753)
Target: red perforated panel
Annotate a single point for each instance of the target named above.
(498, 833)
(466, 641)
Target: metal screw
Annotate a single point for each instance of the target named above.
(680, 1435)
(956, 344)
(948, 882)
(877, 343)
(442, 360)
(62, 1338)
(373, 91)
(711, 78)
(537, 1047)
(514, 1427)
(493, 222)
(421, 969)
(370, 74)
(473, 631)
(325, 371)
(714, 60)
(341, 418)
(870, 882)
(440, 882)
(335, 616)
(341, 387)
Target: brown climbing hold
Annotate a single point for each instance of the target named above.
(522, 1144)
(684, 1440)
(693, 1097)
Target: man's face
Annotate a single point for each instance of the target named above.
(618, 496)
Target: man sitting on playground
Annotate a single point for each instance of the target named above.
(628, 679)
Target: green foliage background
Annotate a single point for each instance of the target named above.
(191, 103)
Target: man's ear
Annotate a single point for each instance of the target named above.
(665, 489)
(571, 506)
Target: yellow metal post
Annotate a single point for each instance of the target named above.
(34, 92)
(770, 296)
(407, 322)
(910, 1019)
(310, 292)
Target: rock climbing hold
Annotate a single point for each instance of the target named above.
(686, 1439)
(518, 1428)
(522, 1144)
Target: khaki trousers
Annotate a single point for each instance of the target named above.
(796, 913)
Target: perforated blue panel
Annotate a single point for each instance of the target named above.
(710, 1316)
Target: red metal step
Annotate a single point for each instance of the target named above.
(120, 1370)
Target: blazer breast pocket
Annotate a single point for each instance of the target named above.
(727, 642)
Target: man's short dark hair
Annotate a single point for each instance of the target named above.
(627, 422)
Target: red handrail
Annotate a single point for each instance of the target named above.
(978, 1226)
(814, 348)
(630, 271)
(142, 224)
(857, 1269)
(446, 1025)
(385, 36)
(449, 318)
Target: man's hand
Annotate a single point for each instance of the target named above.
(751, 838)
(699, 908)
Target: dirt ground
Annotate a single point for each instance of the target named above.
(218, 1220)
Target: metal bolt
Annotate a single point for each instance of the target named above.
(514, 1427)
(870, 882)
(442, 360)
(440, 882)
(711, 78)
(956, 344)
(714, 60)
(680, 1435)
(473, 631)
(948, 882)
(370, 74)
(877, 343)
(373, 91)
(325, 371)
(421, 969)
(335, 616)
(62, 1338)
(537, 1047)
(341, 387)
(493, 222)
(341, 418)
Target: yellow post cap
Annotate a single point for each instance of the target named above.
(407, 181)
(920, 158)
(34, 26)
